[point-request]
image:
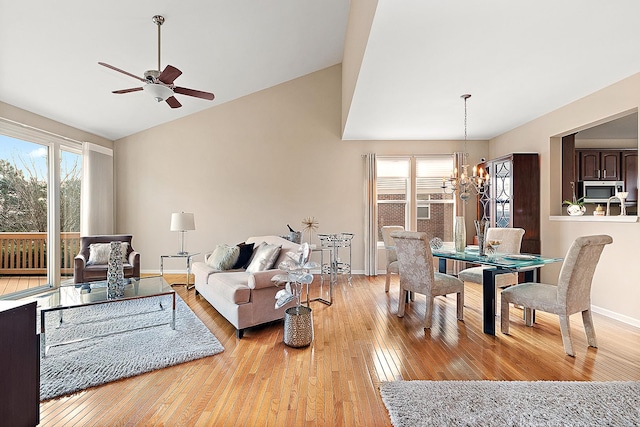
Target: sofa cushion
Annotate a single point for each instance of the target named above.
(264, 257)
(99, 253)
(287, 245)
(231, 286)
(244, 255)
(223, 257)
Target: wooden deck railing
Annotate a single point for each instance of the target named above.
(26, 253)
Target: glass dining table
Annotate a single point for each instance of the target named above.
(498, 263)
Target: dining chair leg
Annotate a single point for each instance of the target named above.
(460, 304)
(401, 301)
(387, 282)
(528, 316)
(566, 335)
(428, 312)
(589, 329)
(504, 317)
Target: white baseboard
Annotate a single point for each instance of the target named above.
(166, 271)
(617, 316)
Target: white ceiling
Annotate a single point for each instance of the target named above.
(623, 128)
(519, 60)
(49, 53)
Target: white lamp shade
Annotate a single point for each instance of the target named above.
(182, 221)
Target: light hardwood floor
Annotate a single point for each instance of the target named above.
(11, 284)
(359, 342)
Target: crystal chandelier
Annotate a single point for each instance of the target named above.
(460, 181)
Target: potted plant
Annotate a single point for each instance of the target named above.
(298, 324)
(297, 268)
(575, 207)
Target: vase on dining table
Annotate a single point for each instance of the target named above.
(481, 232)
(459, 233)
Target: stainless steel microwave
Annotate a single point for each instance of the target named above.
(599, 191)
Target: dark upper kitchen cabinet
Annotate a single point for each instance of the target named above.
(599, 165)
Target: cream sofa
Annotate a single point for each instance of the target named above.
(244, 299)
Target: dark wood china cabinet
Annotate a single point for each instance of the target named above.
(513, 196)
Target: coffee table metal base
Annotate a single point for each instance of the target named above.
(44, 348)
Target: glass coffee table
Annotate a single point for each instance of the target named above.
(71, 296)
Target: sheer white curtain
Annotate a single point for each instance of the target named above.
(371, 217)
(97, 195)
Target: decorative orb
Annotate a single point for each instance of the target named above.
(436, 243)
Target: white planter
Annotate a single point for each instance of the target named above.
(576, 210)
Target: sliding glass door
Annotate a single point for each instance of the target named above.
(70, 180)
(39, 213)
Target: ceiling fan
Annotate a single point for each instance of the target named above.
(160, 84)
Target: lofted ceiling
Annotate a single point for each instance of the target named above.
(49, 53)
(519, 60)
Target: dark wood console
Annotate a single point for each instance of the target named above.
(19, 364)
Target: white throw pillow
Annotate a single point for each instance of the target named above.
(124, 248)
(99, 253)
(264, 257)
(223, 257)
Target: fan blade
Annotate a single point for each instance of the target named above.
(122, 71)
(169, 74)
(173, 102)
(193, 92)
(133, 89)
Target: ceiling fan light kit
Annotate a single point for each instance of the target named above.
(158, 92)
(160, 84)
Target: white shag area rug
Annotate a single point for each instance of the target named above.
(512, 403)
(72, 367)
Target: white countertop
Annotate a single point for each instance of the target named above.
(593, 218)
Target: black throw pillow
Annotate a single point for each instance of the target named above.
(246, 250)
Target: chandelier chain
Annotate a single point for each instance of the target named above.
(465, 97)
(461, 181)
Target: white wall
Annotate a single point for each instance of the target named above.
(251, 166)
(615, 287)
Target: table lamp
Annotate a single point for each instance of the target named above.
(182, 222)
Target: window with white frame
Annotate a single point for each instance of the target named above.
(410, 194)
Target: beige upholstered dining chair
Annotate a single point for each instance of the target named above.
(571, 295)
(511, 240)
(417, 274)
(390, 250)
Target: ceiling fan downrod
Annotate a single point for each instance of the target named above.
(158, 20)
(160, 84)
